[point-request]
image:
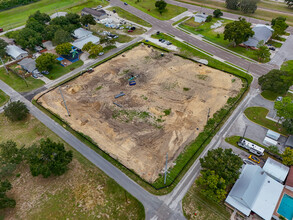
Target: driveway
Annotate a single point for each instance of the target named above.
(284, 53)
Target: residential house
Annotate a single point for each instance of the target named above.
(276, 170)
(81, 32)
(97, 14)
(261, 33)
(16, 52)
(255, 191)
(84, 36)
(29, 65)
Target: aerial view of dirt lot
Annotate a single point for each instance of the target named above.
(162, 113)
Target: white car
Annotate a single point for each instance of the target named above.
(279, 99)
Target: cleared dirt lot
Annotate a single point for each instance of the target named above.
(162, 113)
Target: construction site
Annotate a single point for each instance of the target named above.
(143, 104)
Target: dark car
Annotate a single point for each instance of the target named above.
(272, 48)
(114, 11)
(160, 39)
(125, 3)
(45, 72)
(1, 29)
(169, 43)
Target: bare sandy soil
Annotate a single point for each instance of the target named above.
(162, 113)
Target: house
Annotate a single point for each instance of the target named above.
(81, 32)
(79, 43)
(289, 142)
(261, 33)
(97, 14)
(255, 191)
(29, 65)
(276, 170)
(200, 18)
(16, 52)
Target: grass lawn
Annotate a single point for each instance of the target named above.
(124, 38)
(148, 6)
(128, 16)
(269, 95)
(17, 16)
(18, 83)
(83, 192)
(194, 202)
(287, 66)
(275, 44)
(215, 37)
(258, 116)
(59, 70)
(3, 98)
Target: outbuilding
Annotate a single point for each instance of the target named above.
(97, 14)
(289, 142)
(273, 135)
(276, 170)
(16, 52)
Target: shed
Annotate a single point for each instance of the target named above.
(29, 65)
(81, 32)
(16, 52)
(269, 142)
(97, 14)
(199, 18)
(273, 135)
(276, 170)
(289, 142)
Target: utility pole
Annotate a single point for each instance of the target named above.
(4, 65)
(64, 102)
(166, 169)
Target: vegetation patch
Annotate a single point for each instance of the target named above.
(3, 98)
(59, 70)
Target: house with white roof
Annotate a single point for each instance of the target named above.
(261, 33)
(255, 191)
(84, 36)
(16, 52)
(81, 32)
(200, 17)
(276, 170)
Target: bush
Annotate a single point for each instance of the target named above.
(16, 111)
(209, 18)
(217, 13)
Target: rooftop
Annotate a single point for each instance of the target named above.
(81, 32)
(289, 142)
(289, 181)
(94, 12)
(261, 33)
(276, 170)
(14, 51)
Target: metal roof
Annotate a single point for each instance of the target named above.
(28, 64)
(273, 135)
(276, 170)
(79, 43)
(261, 32)
(80, 33)
(255, 191)
(289, 142)
(94, 12)
(14, 51)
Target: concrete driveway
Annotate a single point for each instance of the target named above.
(285, 53)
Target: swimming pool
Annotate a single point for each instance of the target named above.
(286, 207)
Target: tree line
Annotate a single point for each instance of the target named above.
(7, 4)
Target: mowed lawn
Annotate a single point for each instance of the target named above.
(3, 98)
(148, 6)
(17, 16)
(83, 192)
(18, 83)
(59, 70)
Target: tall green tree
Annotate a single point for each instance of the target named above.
(279, 25)
(263, 52)
(212, 185)
(288, 125)
(95, 50)
(6, 202)
(28, 38)
(238, 31)
(40, 17)
(73, 18)
(288, 156)
(217, 13)
(87, 19)
(161, 5)
(248, 6)
(3, 45)
(64, 49)
(16, 111)
(232, 4)
(87, 46)
(289, 3)
(36, 26)
(224, 163)
(50, 31)
(48, 158)
(46, 61)
(61, 36)
(276, 81)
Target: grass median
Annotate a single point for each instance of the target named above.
(3, 98)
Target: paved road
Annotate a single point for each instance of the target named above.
(165, 26)
(284, 53)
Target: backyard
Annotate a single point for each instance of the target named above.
(18, 83)
(83, 192)
(59, 70)
(149, 8)
(3, 98)
(215, 35)
(17, 16)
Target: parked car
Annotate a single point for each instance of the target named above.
(101, 54)
(125, 3)
(100, 6)
(245, 161)
(254, 158)
(272, 48)
(45, 72)
(90, 70)
(162, 40)
(158, 32)
(35, 76)
(169, 43)
(130, 30)
(279, 99)
(1, 29)
(114, 11)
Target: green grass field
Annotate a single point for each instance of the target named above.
(149, 8)
(17, 16)
(196, 206)
(18, 83)
(83, 192)
(3, 98)
(258, 116)
(287, 66)
(59, 70)
(124, 14)
(215, 37)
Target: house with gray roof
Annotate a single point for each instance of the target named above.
(289, 142)
(255, 191)
(97, 14)
(29, 65)
(16, 52)
(200, 18)
(261, 33)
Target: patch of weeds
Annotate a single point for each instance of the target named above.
(143, 115)
(186, 89)
(169, 85)
(202, 77)
(167, 111)
(233, 80)
(144, 97)
(99, 87)
(160, 120)
(124, 72)
(129, 115)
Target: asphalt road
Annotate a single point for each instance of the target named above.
(257, 69)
